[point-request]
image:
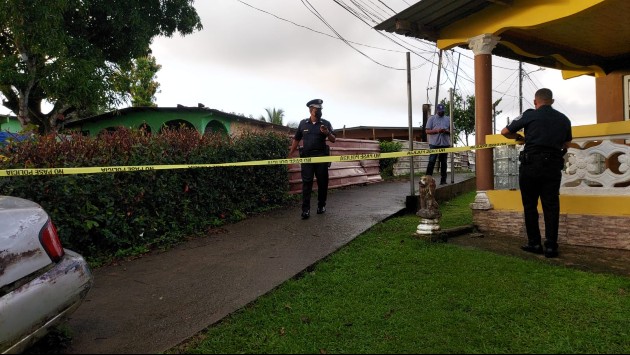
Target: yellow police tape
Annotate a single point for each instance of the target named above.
(326, 159)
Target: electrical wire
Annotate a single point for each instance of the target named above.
(316, 31)
(314, 11)
(371, 14)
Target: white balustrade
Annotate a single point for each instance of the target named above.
(587, 173)
(597, 166)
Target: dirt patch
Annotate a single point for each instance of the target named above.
(597, 260)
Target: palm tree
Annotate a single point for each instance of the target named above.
(273, 116)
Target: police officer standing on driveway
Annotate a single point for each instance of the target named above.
(547, 138)
(314, 131)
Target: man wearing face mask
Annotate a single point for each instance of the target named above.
(315, 131)
(438, 130)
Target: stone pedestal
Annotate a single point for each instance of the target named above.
(429, 230)
(482, 202)
(428, 226)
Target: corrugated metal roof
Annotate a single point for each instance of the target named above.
(429, 17)
(594, 40)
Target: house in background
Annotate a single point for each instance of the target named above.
(9, 124)
(379, 133)
(10, 129)
(206, 120)
(576, 37)
(388, 133)
(153, 119)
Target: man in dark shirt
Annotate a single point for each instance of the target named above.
(547, 137)
(314, 131)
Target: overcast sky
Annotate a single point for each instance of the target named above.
(253, 55)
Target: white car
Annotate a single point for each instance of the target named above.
(40, 282)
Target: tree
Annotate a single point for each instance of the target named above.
(66, 52)
(273, 116)
(464, 115)
(139, 81)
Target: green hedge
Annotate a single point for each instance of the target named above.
(119, 214)
(387, 165)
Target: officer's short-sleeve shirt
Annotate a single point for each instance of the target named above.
(314, 139)
(545, 129)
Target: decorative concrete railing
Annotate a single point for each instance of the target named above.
(599, 167)
(597, 163)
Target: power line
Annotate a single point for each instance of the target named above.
(367, 13)
(314, 11)
(346, 7)
(316, 31)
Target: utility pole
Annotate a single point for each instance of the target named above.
(494, 119)
(457, 72)
(452, 130)
(520, 87)
(412, 200)
(411, 167)
(452, 91)
(437, 86)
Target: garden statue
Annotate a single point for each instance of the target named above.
(429, 211)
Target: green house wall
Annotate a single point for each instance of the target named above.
(10, 124)
(156, 120)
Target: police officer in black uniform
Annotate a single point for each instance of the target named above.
(314, 130)
(547, 138)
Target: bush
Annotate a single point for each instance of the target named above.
(107, 214)
(387, 165)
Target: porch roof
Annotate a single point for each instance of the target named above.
(576, 36)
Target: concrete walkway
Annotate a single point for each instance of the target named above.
(150, 304)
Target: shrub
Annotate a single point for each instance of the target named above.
(107, 214)
(387, 165)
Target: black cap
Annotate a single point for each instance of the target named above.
(315, 103)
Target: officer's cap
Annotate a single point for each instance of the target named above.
(315, 103)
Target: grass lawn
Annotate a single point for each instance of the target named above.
(391, 292)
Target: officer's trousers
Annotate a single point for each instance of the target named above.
(443, 159)
(320, 171)
(540, 175)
